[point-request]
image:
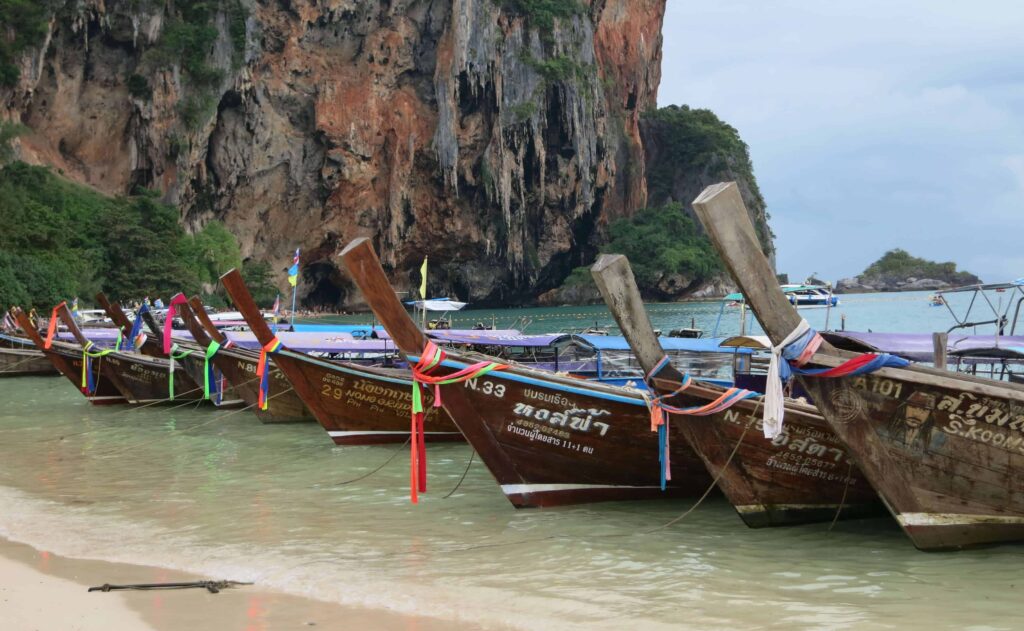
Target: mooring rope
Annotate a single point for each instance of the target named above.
(472, 454)
(397, 451)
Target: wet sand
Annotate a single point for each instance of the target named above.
(40, 591)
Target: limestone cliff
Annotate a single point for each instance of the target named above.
(496, 136)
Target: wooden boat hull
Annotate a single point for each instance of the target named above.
(948, 460)
(19, 362)
(284, 404)
(143, 379)
(804, 475)
(67, 359)
(552, 441)
(358, 405)
(944, 450)
(194, 365)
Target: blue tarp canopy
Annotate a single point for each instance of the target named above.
(677, 344)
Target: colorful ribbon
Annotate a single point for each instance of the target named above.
(797, 349)
(171, 356)
(136, 338)
(263, 371)
(431, 358)
(211, 350)
(660, 410)
(168, 321)
(51, 328)
(88, 381)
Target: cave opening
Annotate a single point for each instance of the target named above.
(326, 290)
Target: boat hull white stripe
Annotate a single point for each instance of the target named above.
(520, 489)
(377, 433)
(955, 519)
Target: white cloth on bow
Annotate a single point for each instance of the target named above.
(774, 401)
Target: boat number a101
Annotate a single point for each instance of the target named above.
(486, 387)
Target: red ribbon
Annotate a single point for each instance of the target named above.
(177, 300)
(431, 358)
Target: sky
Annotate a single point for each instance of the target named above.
(871, 125)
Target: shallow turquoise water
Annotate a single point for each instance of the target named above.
(220, 494)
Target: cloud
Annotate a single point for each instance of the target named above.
(871, 125)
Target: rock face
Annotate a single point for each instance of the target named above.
(897, 270)
(865, 284)
(490, 136)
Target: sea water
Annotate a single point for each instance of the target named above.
(215, 492)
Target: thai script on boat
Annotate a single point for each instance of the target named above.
(579, 419)
(537, 432)
(807, 444)
(984, 420)
(548, 397)
(810, 468)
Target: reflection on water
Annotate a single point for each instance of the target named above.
(220, 494)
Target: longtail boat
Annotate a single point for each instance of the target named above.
(804, 474)
(19, 357)
(68, 360)
(140, 378)
(355, 404)
(944, 450)
(238, 365)
(547, 439)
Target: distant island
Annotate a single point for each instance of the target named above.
(897, 270)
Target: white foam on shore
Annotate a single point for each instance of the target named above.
(83, 532)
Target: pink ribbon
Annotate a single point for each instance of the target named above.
(177, 300)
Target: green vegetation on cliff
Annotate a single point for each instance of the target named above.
(665, 249)
(686, 149)
(62, 240)
(898, 265)
(24, 24)
(694, 146)
(542, 14)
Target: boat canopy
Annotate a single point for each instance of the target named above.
(437, 304)
(1015, 353)
(670, 344)
(916, 346)
(355, 330)
(317, 343)
(984, 287)
(512, 338)
(757, 342)
(479, 336)
(788, 289)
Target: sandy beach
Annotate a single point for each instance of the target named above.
(40, 591)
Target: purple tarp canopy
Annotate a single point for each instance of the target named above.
(316, 342)
(916, 346)
(481, 334)
(509, 338)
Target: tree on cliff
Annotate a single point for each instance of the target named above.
(665, 248)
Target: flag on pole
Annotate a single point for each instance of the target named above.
(423, 280)
(277, 308)
(74, 308)
(293, 271)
